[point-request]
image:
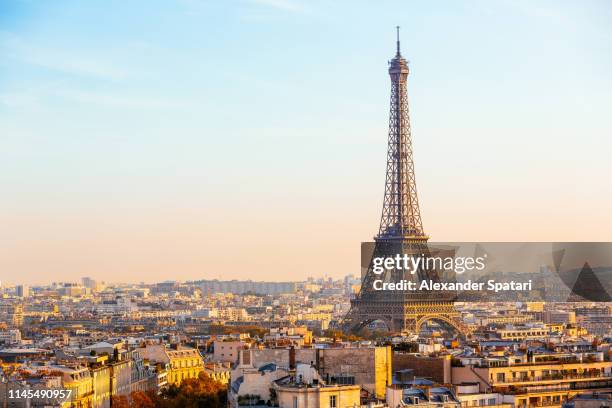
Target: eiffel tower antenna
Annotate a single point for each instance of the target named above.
(398, 40)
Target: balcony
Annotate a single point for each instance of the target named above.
(554, 377)
(541, 404)
(530, 390)
(513, 390)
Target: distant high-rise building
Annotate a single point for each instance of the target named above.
(88, 282)
(23, 291)
(92, 284)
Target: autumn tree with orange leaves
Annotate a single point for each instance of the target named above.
(192, 393)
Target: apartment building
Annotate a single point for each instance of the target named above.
(546, 380)
(469, 395)
(182, 362)
(422, 397)
(292, 395)
(519, 333)
(11, 336)
(368, 366)
(226, 351)
(80, 383)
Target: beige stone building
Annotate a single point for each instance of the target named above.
(182, 362)
(369, 367)
(541, 382)
(226, 351)
(322, 396)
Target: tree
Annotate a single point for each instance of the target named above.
(120, 401)
(338, 334)
(139, 399)
(192, 393)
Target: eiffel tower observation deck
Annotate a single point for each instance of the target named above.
(401, 231)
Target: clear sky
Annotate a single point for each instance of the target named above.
(152, 140)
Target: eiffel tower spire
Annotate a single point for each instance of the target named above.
(398, 42)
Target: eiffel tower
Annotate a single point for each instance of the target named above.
(401, 232)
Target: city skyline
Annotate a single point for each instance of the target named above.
(80, 282)
(118, 160)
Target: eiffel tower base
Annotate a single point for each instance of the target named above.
(402, 316)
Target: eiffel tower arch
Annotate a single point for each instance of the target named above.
(401, 232)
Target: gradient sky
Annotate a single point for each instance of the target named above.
(152, 140)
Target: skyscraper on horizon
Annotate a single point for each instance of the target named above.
(22, 291)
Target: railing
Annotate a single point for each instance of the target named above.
(552, 377)
(607, 385)
(487, 364)
(569, 360)
(528, 390)
(543, 404)
(501, 405)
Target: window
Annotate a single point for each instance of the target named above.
(345, 379)
(295, 403)
(332, 401)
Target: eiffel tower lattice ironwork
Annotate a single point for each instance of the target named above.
(401, 232)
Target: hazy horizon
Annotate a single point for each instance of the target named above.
(190, 140)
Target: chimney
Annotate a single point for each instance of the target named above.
(292, 358)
